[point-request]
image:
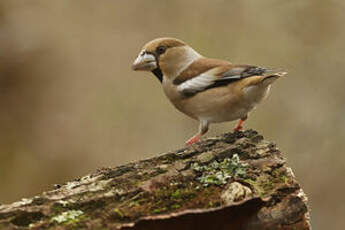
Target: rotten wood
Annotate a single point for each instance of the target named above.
(234, 181)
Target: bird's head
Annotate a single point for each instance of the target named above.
(165, 56)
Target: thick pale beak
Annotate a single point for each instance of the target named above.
(145, 61)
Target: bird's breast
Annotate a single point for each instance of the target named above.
(180, 103)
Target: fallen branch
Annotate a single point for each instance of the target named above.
(234, 181)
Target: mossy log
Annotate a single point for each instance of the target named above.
(234, 181)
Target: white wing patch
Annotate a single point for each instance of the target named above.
(196, 84)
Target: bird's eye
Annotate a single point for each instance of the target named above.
(161, 49)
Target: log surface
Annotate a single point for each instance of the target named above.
(234, 181)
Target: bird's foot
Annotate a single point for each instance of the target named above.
(238, 128)
(193, 139)
(239, 125)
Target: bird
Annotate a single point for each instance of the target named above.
(206, 89)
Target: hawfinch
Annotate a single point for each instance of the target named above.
(208, 90)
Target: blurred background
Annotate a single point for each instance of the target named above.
(69, 102)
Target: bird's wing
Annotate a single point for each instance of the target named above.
(218, 76)
(197, 68)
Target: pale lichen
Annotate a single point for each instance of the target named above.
(87, 184)
(67, 216)
(218, 173)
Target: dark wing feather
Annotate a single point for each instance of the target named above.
(237, 73)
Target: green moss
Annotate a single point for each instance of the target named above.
(266, 182)
(119, 213)
(280, 176)
(179, 193)
(78, 224)
(267, 185)
(263, 185)
(176, 194)
(159, 210)
(167, 198)
(284, 179)
(175, 206)
(134, 204)
(258, 188)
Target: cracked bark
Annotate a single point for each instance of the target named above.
(234, 181)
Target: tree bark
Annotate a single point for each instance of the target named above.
(234, 181)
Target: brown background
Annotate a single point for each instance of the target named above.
(69, 102)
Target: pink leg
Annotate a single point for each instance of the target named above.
(194, 139)
(239, 124)
(203, 128)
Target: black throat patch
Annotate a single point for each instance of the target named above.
(158, 73)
